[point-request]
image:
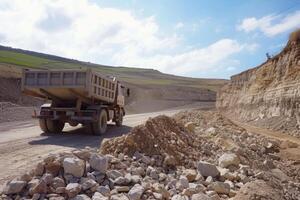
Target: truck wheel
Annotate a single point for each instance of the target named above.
(100, 126)
(119, 120)
(55, 126)
(43, 125)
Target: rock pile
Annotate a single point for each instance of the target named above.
(162, 136)
(134, 168)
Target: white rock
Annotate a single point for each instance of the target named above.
(136, 192)
(14, 187)
(99, 196)
(228, 159)
(206, 169)
(74, 166)
(99, 163)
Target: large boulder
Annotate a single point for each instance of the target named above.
(74, 166)
(99, 163)
(14, 187)
(206, 169)
(229, 159)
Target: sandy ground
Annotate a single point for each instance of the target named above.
(22, 144)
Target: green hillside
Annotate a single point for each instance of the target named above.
(18, 59)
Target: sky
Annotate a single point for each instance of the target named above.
(195, 38)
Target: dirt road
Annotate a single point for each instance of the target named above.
(22, 144)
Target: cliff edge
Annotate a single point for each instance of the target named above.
(267, 95)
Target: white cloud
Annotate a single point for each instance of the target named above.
(179, 25)
(271, 25)
(89, 32)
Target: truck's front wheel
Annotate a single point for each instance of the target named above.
(55, 126)
(100, 126)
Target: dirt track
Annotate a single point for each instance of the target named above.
(22, 144)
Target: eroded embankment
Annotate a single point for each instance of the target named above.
(268, 95)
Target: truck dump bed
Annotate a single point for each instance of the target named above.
(69, 85)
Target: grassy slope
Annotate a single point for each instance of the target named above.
(138, 76)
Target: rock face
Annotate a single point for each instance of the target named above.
(267, 94)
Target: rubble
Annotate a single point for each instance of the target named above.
(146, 164)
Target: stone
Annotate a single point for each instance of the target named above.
(182, 183)
(83, 154)
(200, 196)
(157, 196)
(99, 163)
(179, 197)
(120, 181)
(146, 159)
(40, 187)
(99, 196)
(26, 177)
(113, 174)
(136, 179)
(170, 161)
(121, 189)
(87, 184)
(60, 190)
(228, 159)
(190, 174)
(14, 187)
(53, 167)
(269, 164)
(158, 188)
(73, 189)
(206, 169)
(220, 187)
(104, 190)
(39, 169)
(74, 166)
(48, 178)
(136, 192)
(58, 182)
(190, 126)
(280, 175)
(81, 197)
(119, 197)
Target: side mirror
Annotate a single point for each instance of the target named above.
(128, 92)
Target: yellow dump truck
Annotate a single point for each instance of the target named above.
(84, 97)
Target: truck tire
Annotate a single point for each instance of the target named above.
(119, 120)
(100, 126)
(43, 125)
(55, 126)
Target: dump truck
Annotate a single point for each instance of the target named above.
(84, 97)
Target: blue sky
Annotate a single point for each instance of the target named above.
(211, 39)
